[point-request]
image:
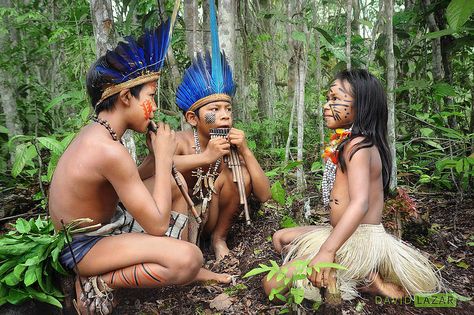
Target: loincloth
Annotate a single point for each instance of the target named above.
(122, 222)
(369, 249)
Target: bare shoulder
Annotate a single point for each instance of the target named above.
(355, 148)
(185, 142)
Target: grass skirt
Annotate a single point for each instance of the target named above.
(369, 249)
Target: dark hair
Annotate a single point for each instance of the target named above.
(97, 82)
(370, 122)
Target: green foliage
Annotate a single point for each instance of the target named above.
(285, 292)
(458, 12)
(30, 256)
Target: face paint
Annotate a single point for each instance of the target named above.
(338, 111)
(210, 118)
(147, 108)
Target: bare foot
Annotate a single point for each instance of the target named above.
(379, 287)
(220, 248)
(87, 305)
(205, 275)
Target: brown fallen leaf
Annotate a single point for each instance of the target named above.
(221, 302)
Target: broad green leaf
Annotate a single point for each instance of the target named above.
(55, 101)
(67, 139)
(254, 272)
(298, 294)
(53, 162)
(20, 159)
(3, 129)
(11, 279)
(7, 266)
(16, 296)
(433, 144)
(462, 166)
(443, 90)
(458, 12)
(438, 34)
(426, 132)
(22, 226)
(52, 144)
(326, 35)
(278, 193)
(18, 270)
(30, 276)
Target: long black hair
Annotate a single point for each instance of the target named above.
(370, 121)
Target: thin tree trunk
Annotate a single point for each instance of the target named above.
(355, 20)
(103, 26)
(319, 108)
(191, 21)
(206, 34)
(7, 95)
(243, 68)
(226, 19)
(300, 110)
(375, 31)
(291, 51)
(391, 90)
(348, 32)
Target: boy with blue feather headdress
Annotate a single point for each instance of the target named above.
(96, 171)
(205, 97)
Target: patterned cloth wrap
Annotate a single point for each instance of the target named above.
(122, 222)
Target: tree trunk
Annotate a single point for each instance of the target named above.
(375, 31)
(191, 22)
(348, 32)
(266, 70)
(291, 51)
(206, 33)
(103, 26)
(244, 63)
(355, 20)
(226, 19)
(300, 110)
(319, 107)
(7, 95)
(391, 90)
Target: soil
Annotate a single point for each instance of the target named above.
(444, 232)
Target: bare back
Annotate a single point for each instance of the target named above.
(79, 188)
(340, 199)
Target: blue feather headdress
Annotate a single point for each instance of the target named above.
(207, 79)
(133, 62)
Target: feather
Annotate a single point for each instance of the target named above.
(216, 60)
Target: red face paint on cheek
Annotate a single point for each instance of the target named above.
(147, 108)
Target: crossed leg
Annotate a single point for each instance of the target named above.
(138, 260)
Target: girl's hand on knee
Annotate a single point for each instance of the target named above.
(321, 279)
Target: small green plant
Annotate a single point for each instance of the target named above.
(292, 297)
(29, 256)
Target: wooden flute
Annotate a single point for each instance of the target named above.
(233, 161)
(152, 127)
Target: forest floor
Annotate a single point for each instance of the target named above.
(445, 238)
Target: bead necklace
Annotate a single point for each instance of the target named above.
(107, 126)
(207, 180)
(331, 155)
